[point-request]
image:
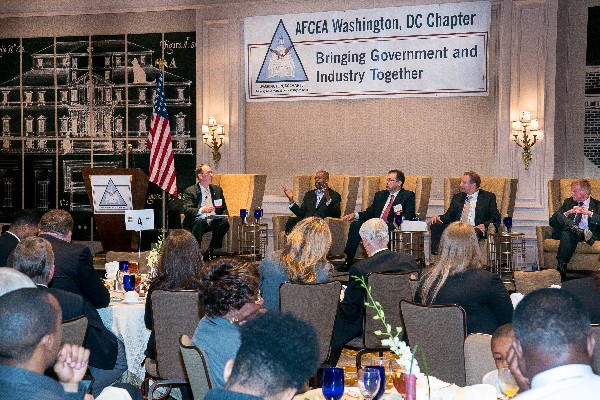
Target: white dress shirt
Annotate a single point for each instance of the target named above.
(573, 381)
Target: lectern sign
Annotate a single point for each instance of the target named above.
(425, 50)
(111, 193)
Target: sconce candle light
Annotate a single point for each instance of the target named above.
(524, 141)
(213, 135)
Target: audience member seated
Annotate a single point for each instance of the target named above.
(35, 258)
(301, 260)
(25, 223)
(349, 319)
(457, 278)
(230, 296)
(322, 202)
(30, 342)
(178, 268)
(553, 347)
(587, 290)
(74, 268)
(472, 205)
(12, 280)
(277, 355)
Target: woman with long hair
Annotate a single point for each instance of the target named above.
(457, 277)
(178, 268)
(303, 259)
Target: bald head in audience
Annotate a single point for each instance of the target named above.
(11, 279)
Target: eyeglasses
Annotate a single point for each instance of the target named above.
(391, 180)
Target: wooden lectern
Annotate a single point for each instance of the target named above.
(111, 227)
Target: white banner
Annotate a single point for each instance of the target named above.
(111, 193)
(427, 50)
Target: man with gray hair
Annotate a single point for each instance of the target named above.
(12, 280)
(374, 235)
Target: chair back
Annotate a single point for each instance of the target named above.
(174, 313)
(74, 330)
(345, 185)
(505, 190)
(142, 260)
(241, 191)
(440, 331)
(316, 304)
(388, 289)
(560, 189)
(478, 357)
(196, 366)
(421, 185)
(527, 282)
(596, 355)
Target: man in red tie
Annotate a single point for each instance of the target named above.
(577, 220)
(386, 203)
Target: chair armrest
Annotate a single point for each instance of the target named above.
(542, 233)
(279, 222)
(233, 246)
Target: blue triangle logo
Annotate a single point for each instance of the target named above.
(281, 63)
(111, 196)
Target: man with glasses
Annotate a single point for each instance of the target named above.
(321, 202)
(205, 210)
(471, 205)
(386, 203)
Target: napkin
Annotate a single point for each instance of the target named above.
(516, 298)
(111, 269)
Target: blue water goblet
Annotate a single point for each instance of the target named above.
(497, 223)
(257, 215)
(507, 223)
(369, 382)
(128, 282)
(398, 220)
(381, 370)
(243, 214)
(333, 383)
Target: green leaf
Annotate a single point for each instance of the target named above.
(378, 333)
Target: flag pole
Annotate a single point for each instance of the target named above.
(161, 64)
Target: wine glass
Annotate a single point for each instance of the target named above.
(333, 383)
(507, 223)
(258, 213)
(398, 220)
(497, 223)
(243, 214)
(507, 382)
(381, 370)
(369, 381)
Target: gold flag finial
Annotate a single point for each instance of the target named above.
(160, 63)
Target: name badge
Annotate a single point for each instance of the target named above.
(218, 203)
(397, 208)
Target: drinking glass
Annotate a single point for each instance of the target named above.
(333, 383)
(133, 267)
(507, 383)
(507, 223)
(398, 220)
(381, 370)
(128, 282)
(369, 381)
(497, 223)
(243, 214)
(257, 215)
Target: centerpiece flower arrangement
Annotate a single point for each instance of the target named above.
(154, 254)
(406, 360)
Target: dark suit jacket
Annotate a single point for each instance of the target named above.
(483, 296)
(593, 221)
(70, 303)
(74, 272)
(8, 242)
(404, 197)
(309, 206)
(191, 200)
(351, 308)
(485, 209)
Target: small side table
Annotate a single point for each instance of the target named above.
(252, 239)
(409, 242)
(506, 253)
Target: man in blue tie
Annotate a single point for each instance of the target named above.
(577, 220)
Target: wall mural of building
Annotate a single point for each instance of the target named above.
(591, 143)
(72, 102)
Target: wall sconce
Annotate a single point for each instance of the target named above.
(213, 135)
(523, 141)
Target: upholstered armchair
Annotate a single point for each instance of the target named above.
(240, 191)
(505, 190)
(345, 185)
(585, 257)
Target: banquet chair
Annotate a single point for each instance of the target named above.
(388, 289)
(439, 330)
(586, 256)
(478, 357)
(596, 355)
(505, 190)
(345, 185)
(174, 313)
(141, 258)
(196, 366)
(527, 282)
(316, 304)
(74, 330)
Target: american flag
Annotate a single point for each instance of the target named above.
(162, 167)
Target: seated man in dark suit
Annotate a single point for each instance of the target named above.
(349, 319)
(322, 202)
(386, 203)
(34, 257)
(577, 220)
(202, 203)
(25, 223)
(471, 205)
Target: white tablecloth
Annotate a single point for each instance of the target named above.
(126, 321)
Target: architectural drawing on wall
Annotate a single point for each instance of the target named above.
(91, 82)
(591, 137)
